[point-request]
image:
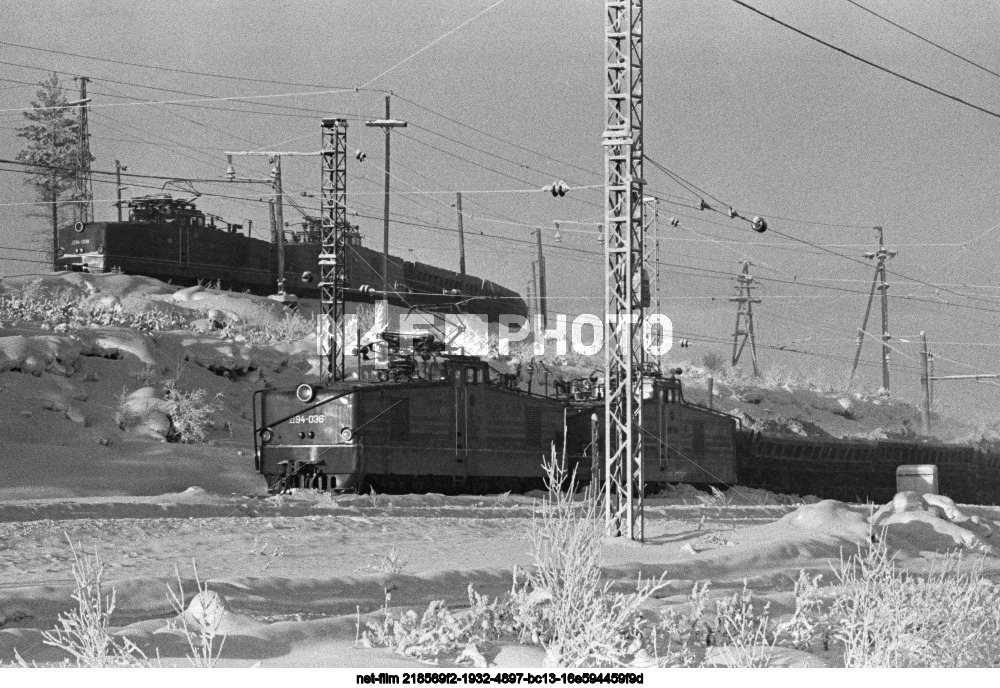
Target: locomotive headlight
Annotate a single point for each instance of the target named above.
(78, 227)
(100, 249)
(305, 393)
(346, 434)
(266, 436)
(61, 252)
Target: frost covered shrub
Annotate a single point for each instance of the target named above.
(886, 617)
(260, 326)
(190, 413)
(69, 309)
(809, 625)
(742, 630)
(562, 603)
(570, 609)
(84, 632)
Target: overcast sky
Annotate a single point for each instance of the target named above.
(756, 116)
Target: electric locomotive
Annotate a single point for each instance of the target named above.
(429, 421)
(682, 442)
(170, 239)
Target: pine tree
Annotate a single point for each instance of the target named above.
(51, 135)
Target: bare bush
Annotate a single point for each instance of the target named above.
(85, 631)
(261, 326)
(571, 610)
(742, 632)
(69, 309)
(562, 603)
(886, 617)
(190, 412)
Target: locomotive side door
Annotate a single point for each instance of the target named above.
(183, 244)
(662, 429)
(461, 413)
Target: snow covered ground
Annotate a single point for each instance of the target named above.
(295, 570)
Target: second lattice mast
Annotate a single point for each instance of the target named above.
(623, 254)
(744, 318)
(333, 254)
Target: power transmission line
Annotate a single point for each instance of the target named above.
(177, 70)
(922, 85)
(925, 40)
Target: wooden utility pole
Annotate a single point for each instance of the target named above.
(530, 293)
(542, 296)
(864, 325)
(387, 125)
(536, 302)
(925, 381)
(878, 282)
(883, 287)
(119, 168)
(54, 182)
(461, 239)
(279, 221)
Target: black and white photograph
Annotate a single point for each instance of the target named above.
(499, 341)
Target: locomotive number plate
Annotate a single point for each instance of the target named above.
(306, 419)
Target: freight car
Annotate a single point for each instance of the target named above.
(170, 239)
(414, 284)
(864, 470)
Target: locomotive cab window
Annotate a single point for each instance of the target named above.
(470, 376)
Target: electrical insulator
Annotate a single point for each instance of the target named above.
(558, 236)
(702, 205)
(759, 224)
(600, 234)
(360, 155)
(558, 188)
(684, 343)
(674, 222)
(733, 213)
